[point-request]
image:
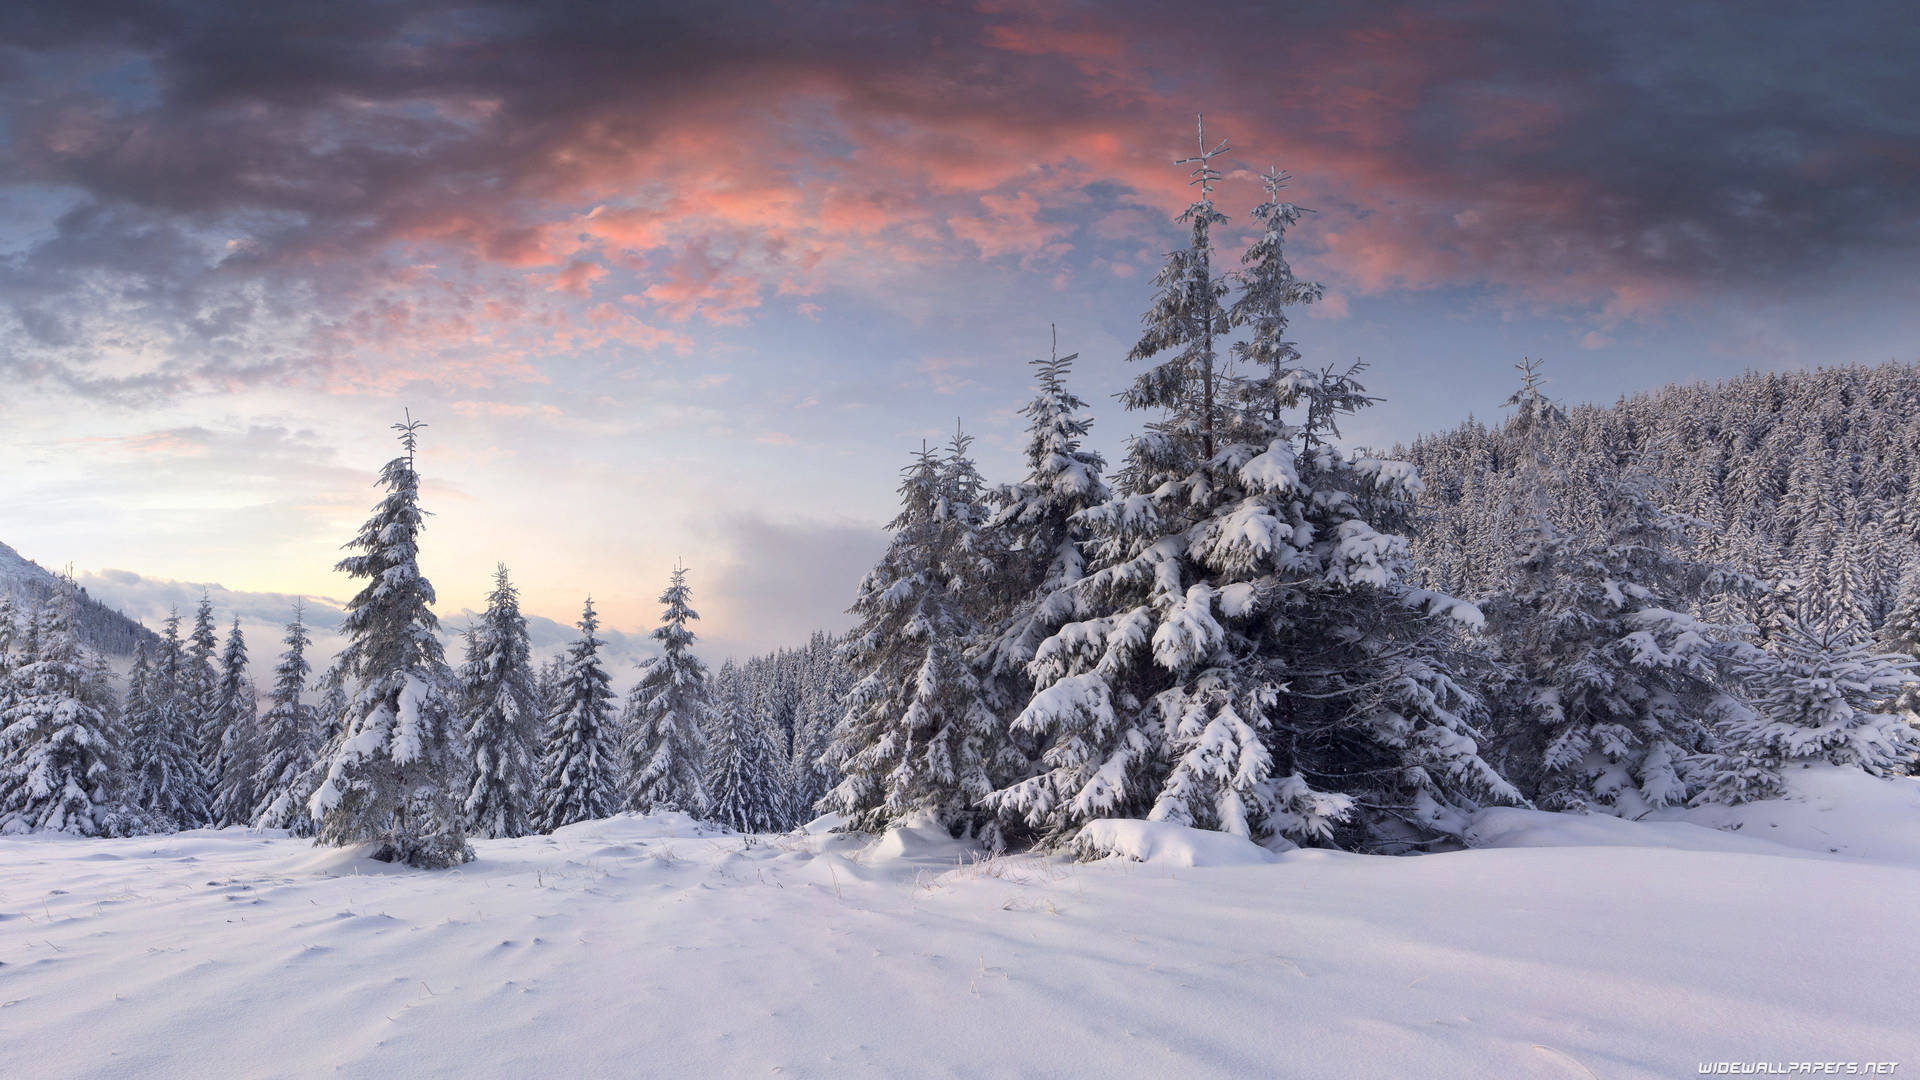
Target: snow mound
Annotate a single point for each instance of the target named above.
(1511, 827)
(824, 824)
(657, 825)
(1165, 842)
(921, 839)
(1828, 809)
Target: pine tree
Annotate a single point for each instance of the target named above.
(917, 736)
(666, 714)
(1041, 534)
(61, 768)
(290, 739)
(200, 690)
(579, 770)
(9, 641)
(396, 775)
(1818, 695)
(167, 781)
(823, 700)
(501, 707)
(1614, 681)
(1268, 293)
(237, 717)
(293, 810)
(1253, 657)
(1184, 319)
(742, 766)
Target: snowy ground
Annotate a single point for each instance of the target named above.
(1569, 948)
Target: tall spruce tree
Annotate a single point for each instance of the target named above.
(237, 717)
(167, 780)
(501, 707)
(1041, 534)
(200, 690)
(917, 736)
(1253, 657)
(667, 713)
(396, 776)
(290, 739)
(579, 771)
(61, 767)
(1183, 324)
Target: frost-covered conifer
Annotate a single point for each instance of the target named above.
(917, 735)
(822, 701)
(1183, 323)
(166, 780)
(1252, 658)
(61, 767)
(292, 811)
(666, 714)
(1612, 682)
(236, 716)
(290, 739)
(743, 769)
(1818, 694)
(1040, 534)
(396, 776)
(1268, 293)
(580, 768)
(200, 689)
(502, 715)
(9, 641)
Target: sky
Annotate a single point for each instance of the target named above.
(692, 282)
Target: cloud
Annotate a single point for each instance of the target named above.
(770, 583)
(394, 193)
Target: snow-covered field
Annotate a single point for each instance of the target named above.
(1566, 947)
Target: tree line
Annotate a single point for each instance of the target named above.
(1245, 626)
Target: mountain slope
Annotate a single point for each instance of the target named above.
(101, 627)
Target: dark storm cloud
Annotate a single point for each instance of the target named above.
(234, 181)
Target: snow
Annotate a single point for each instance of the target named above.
(1571, 946)
(1167, 843)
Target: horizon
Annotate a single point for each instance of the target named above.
(708, 310)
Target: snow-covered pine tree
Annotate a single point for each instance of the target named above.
(823, 700)
(61, 767)
(666, 713)
(396, 776)
(1818, 694)
(502, 715)
(293, 811)
(1184, 319)
(917, 736)
(579, 771)
(742, 767)
(237, 717)
(166, 780)
(200, 691)
(1269, 291)
(1253, 658)
(9, 641)
(290, 739)
(1041, 535)
(1615, 683)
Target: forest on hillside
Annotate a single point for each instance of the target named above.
(1805, 479)
(1244, 626)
